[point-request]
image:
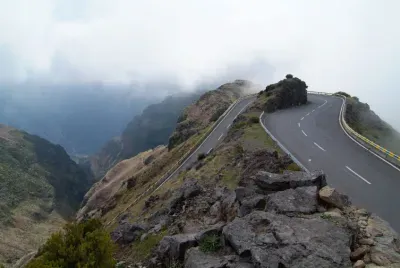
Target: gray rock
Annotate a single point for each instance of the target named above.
(271, 182)
(126, 232)
(273, 240)
(229, 206)
(333, 197)
(174, 247)
(215, 210)
(366, 241)
(301, 200)
(212, 230)
(243, 193)
(248, 205)
(190, 188)
(195, 258)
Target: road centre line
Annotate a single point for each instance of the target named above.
(316, 144)
(355, 173)
(308, 114)
(323, 104)
(298, 124)
(304, 133)
(228, 126)
(302, 119)
(221, 136)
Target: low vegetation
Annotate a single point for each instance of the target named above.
(210, 243)
(84, 244)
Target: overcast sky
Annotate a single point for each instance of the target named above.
(347, 45)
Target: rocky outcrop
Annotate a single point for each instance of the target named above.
(275, 220)
(284, 94)
(207, 109)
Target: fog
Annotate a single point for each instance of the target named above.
(350, 46)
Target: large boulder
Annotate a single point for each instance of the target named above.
(271, 182)
(248, 205)
(174, 247)
(333, 197)
(272, 240)
(298, 200)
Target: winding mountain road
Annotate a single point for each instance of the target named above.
(313, 135)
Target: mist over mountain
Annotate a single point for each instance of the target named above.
(79, 117)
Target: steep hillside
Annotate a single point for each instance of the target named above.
(40, 187)
(113, 194)
(208, 108)
(366, 122)
(147, 130)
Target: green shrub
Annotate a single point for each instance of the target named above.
(210, 243)
(84, 244)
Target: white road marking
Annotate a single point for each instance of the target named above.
(355, 173)
(313, 110)
(309, 160)
(221, 136)
(316, 144)
(323, 104)
(304, 133)
(228, 126)
(298, 124)
(302, 119)
(308, 114)
(209, 151)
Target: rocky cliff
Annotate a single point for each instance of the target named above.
(40, 188)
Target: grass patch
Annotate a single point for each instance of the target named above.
(210, 243)
(256, 132)
(293, 167)
(142, 249)
(230, 178)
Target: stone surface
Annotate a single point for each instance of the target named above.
(126, 232)
(359, 264)
(271, 182)
(195, 258)
(248, 205)
(212, 230)
(359, 253)
(272, 240)
(174, 247)
(333, 197)
(301, 200)
(366, 241)
(190, 188)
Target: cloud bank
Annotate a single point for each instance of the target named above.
(332, 45)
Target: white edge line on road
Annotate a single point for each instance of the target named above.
(221, 136)
(209, 151)
(228, 126)
(304, 133)
(281, 145)
(316, 144)
(298, 124)
(348, 135)
(302, 119)
(355, 173)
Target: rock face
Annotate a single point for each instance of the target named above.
(333, 197)
(126, 233)
(302, 200)
(278, 241)
(174, 247)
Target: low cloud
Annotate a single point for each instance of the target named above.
(333, 45)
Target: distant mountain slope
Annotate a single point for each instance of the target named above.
(40, 187)
(366, 122)
(79, 117)
(145, 131)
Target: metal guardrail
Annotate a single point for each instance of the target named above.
(381, 151)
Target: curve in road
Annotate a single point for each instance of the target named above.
(313, 135)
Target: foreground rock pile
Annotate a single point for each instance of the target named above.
(271, 221)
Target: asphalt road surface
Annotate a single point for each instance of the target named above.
(312, 133)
